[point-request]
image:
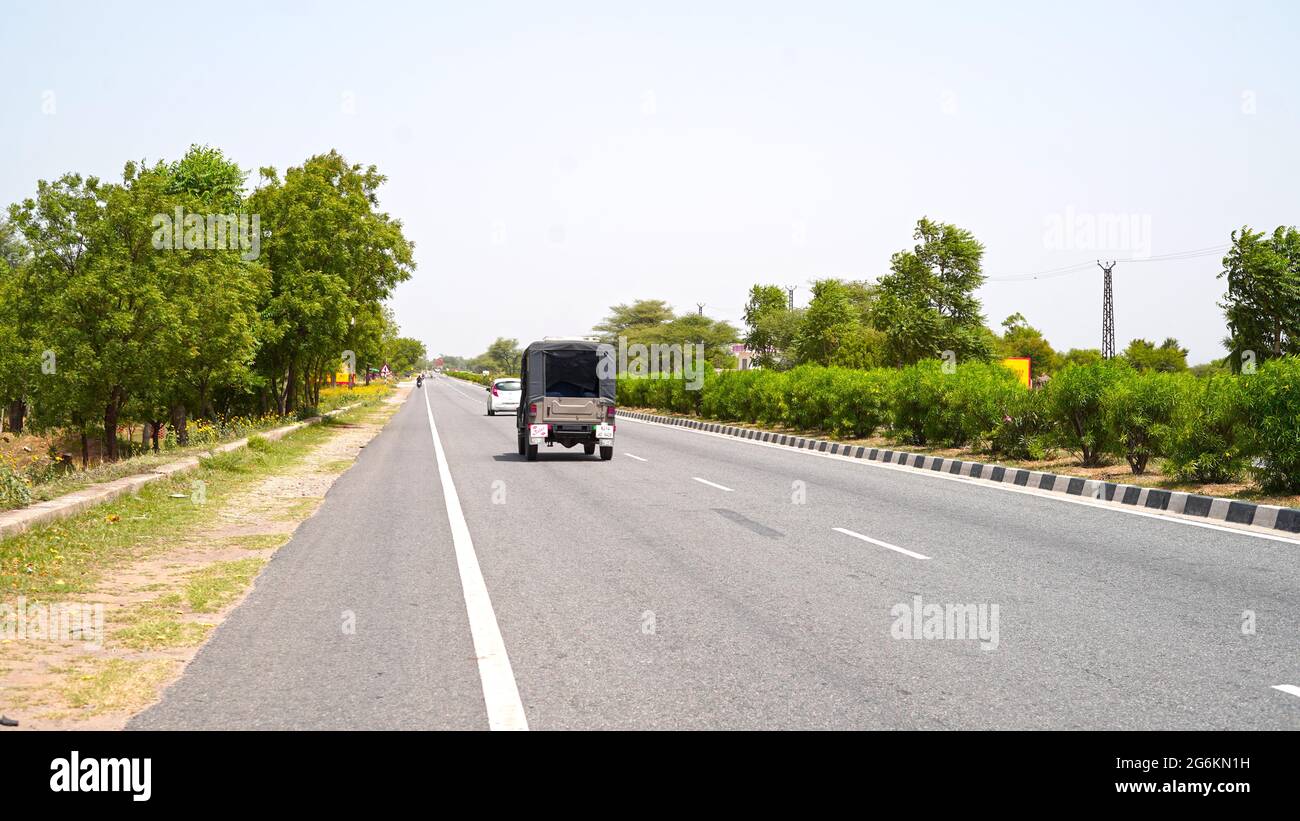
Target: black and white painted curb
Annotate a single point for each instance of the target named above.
(1272, 517)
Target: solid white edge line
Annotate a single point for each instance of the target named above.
(902, 550)
(934, 474)
(634, 456)
(1288, 688)
(712, 484)
(500, 692)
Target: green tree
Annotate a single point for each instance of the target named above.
(626, 320)
(406, 354)
(1081, 356)
(1167, 357)
(502, 356)
(106, 314)
(205, 175)
(1020, 339)
(765, 315)
(333, 257)
(830, 319)
(1262, 303)
(926, 304)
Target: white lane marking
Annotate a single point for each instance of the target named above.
(500, 692)
(711, 484)
(454, 390)
(1172, 518)
(1288, 688)
(902, 550)
(634, 456)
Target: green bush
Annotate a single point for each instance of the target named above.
(1075, 407)
(771, 397)
(1140, 411)
(978, 402)
(916, 398)
(812, 397)
(863, 401)
(1205, 444)
(15, 488)
(1272, 417)
(1023, 431)
(955, 409)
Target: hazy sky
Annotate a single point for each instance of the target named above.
(549, 160)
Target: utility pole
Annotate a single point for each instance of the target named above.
(790, 290)
(1107, 312)
(700, 305)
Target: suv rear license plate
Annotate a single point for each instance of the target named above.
(604, 431)
(537, 431)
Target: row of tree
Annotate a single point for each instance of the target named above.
(141, 300)
(926, 306)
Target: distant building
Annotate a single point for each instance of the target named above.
(744, 356)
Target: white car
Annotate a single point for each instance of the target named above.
(503, 395)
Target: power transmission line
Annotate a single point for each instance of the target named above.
(1066, 270)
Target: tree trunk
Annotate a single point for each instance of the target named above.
(155, 432)
(290, 386)
(85, 450)
(110, 428)
(17, 410)
(179, 424)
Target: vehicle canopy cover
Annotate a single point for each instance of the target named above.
(572, 368)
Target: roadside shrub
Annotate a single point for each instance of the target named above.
(259, 443)
(1074, 405)
(917, 396)
(770, 400)
(1206, 444)
(731, 396)
(307, 412)
(1139, 412)
(862, 401)
(15, 488)
(1023, 431)
(979, 399)
(812, 397)
(954, 409)
(1272, 417)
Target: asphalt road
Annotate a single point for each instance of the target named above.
(716, 583)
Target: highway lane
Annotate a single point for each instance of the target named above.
(710, 582)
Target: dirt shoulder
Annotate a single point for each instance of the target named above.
(167, 566)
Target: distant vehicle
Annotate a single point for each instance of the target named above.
(419, 381)
(503, 395)
(568, 397)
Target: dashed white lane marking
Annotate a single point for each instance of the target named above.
(1288, 688)
(1163, 516)
(902, 550)
(500, 692)
(634, 456)
(711, 484)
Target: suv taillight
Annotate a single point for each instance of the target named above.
(532, 409)
(609, 412)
